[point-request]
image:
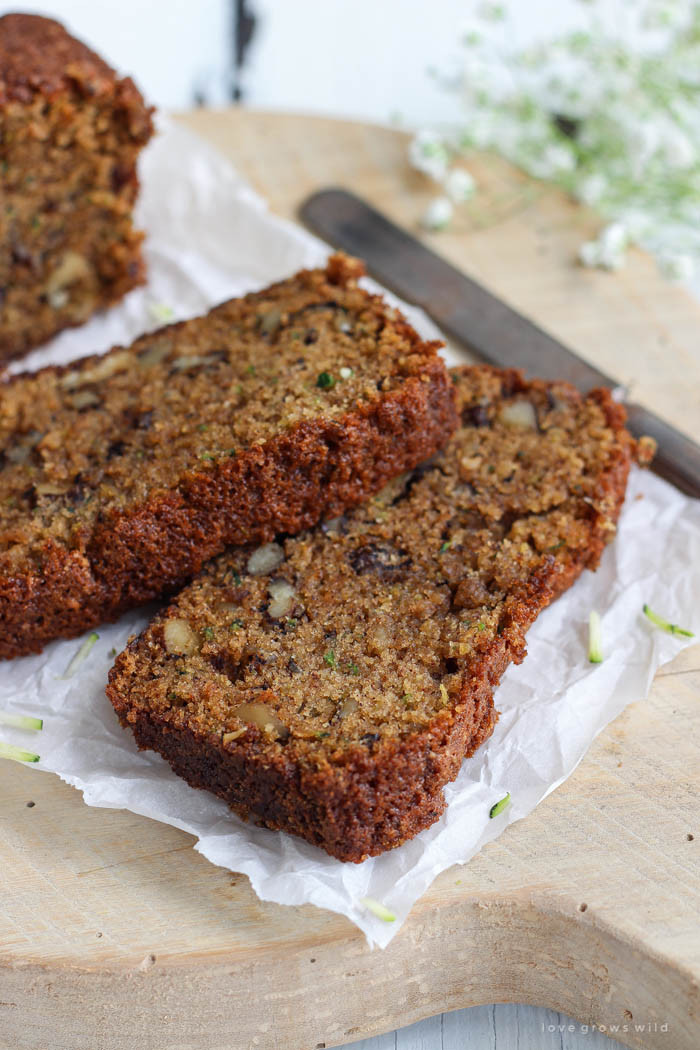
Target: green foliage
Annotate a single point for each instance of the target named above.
(610, 112)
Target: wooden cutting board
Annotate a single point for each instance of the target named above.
(115, 934)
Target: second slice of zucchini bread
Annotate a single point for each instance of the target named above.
(121, 475)
(331, 684)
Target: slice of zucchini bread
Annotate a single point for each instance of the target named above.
(331, 684)
(121, 475)
(70, 135)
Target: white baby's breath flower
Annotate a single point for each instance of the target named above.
(614, 237)
(592, 188)
(644, 140)
(637, 224)
(609, 114)
(613, 241)
(677, 267)
(683, 111)
(521, 143)
(677, 149)
(608, 251)
(664, 16)
(471, 36)
(560, 158)
(459, 185)
(429, 154)
(491, 12)
(589, 254)
(477, 133)
(551, 161)
(438, 214)
(486, 82)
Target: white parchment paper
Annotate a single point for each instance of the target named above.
(210, 237)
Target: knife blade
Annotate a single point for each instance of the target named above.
(473, 316)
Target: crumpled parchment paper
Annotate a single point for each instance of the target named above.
(209, 238)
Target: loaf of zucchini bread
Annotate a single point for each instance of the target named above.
(70, 135)
(121, 475)
(331, 684)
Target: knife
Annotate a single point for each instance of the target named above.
(474, 317)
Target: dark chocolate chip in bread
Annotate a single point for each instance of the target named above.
(331, 684)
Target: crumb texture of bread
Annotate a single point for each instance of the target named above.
(330, 684)
(70, 135)
(121, 475)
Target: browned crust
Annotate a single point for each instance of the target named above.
(38, 56)
(372, 803)
(367, 801)
(315, 469)
(42, 65)
(375, 800)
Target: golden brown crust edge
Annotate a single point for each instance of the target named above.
(376, 799)
(43, 65)
(372, 803)
(38, 56)
(317, 469)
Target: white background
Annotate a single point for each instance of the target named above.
(353, 58)
(172, 48)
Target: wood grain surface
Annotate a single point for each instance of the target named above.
(115, 934)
